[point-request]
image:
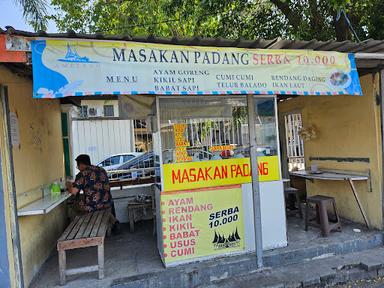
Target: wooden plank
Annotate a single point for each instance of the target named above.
(80, 243)
(76, 228)
(100, 260)
(83, 226)
(88, 230)
(62, 266)
(85, 269)
(69, 229)
(96, 227)
(104, 223)
(359, 203)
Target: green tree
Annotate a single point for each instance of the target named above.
(34, 12)
(292, 19)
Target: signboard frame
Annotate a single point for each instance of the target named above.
(80, 67)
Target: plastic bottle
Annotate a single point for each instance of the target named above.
(55, 188)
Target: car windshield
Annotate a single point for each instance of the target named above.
(128, 157)
(114, 160)
(137, 161)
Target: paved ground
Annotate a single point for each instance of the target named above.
(135, 254)
(376, 282)
(327, 272)
(126, 254)
(299, 240)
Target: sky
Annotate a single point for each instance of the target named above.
(12, 15)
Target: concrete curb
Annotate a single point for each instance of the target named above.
(317, 273)
(218, 270)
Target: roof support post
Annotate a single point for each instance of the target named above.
(4, 258)
(381, 84)
(255, 181)
(9, 183)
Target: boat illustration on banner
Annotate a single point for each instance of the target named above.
(222, 242)
(73, 57)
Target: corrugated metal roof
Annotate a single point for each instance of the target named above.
(367, 46)
(369, 53)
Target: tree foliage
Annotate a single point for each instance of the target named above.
(293, 19)
(34, 12)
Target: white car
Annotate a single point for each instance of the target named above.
(115, 161)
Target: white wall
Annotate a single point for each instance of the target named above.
(273, 221)
(100, 138)
(122, 197)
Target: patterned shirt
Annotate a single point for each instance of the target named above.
(94, 182)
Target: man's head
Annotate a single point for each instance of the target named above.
(83, 161)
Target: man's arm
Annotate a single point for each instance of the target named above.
(77, 185)
(71, 189)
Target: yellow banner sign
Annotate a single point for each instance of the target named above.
(73, 67)
(202, 222)
(192, 175)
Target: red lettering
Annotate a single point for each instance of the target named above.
(175, 176)
(207, 173)
(183, 235)
(239, 171)
(262, 59)
(200, 175)
(217, 173)
(255, 59)
(263, 168)
(270, 59)
(260, 168)
(192, 174)
(182, 252)
(185, 177)
(181, 218)
(189, 200)
(247, 171)
(233, 170)
(183, 243)
(224, 171)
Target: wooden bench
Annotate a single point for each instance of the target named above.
(84, 231)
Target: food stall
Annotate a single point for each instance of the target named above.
(215, 131)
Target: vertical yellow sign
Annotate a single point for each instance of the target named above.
(181, 143)
(202, 222)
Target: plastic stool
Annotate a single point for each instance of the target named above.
(322, 218)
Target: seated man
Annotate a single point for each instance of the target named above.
(93, 180)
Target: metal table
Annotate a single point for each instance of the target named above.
(43, 205)
(336, 176)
